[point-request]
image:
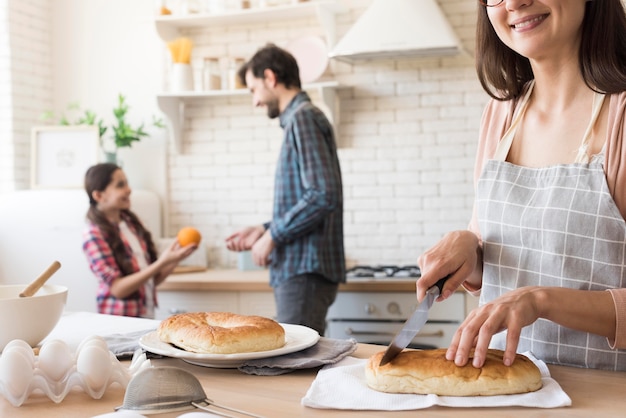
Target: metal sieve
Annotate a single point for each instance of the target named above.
(156, 390)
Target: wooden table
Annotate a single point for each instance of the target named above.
(594, 393)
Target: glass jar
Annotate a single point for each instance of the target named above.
(211, 74)
(233, 68)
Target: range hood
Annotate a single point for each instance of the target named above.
(398, 28)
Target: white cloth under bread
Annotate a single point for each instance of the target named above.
(342, 386)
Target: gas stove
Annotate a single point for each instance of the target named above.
(383, 272)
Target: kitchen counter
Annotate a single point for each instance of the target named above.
(258, 281)
(593, 393)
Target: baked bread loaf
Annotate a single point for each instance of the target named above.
(221, 332)
(428, 372)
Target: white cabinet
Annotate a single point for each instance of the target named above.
(257, 303)
(173, 105)
(168, 27)
(244, 303)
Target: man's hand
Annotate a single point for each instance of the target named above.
(245, 238)
(262, 249)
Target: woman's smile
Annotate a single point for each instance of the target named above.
(528, 23)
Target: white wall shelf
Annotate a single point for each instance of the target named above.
(173, 105)
(168, 26)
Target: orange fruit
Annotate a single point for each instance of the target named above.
(188, 235)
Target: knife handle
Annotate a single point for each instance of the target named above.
(440, 283)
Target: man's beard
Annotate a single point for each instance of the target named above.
(272, 109)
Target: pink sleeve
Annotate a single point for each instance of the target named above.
(495, 121)
(615, 152)
(619, 299)
(616, 178)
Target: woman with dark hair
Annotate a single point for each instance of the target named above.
(120, 251)
(546, 248)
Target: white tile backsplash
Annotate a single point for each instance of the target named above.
(407, 136)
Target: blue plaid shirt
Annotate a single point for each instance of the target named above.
(307, 222)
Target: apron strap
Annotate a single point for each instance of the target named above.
(582, 156)
(504, 146)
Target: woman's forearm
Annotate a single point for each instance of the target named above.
(582, 310)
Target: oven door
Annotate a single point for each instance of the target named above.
(433, 335)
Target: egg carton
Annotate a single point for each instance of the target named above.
(56, 370)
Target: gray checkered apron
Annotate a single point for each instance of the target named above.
(553, 226)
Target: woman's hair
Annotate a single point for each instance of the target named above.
(503, 72)
(97, 178)
(271, 57)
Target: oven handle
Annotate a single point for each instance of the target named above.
(434, 334)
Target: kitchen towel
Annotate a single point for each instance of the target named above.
(343, 386)
(325, 351)
(125, 345)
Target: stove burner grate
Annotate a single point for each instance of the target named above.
(383, 271)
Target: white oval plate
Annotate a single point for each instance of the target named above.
(311, 55)
(297, 338)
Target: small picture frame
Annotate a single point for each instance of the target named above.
(60, 155)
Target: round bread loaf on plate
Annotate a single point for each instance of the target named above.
(428, 372)
(221, 333)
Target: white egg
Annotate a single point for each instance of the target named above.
(22, 347)
(18, 343)
(94, 364)
(92, 340)
(55, 359)
(198, 415)
(16, 372)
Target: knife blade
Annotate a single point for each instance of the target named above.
(413, 324)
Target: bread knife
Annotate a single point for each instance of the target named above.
(413, 324)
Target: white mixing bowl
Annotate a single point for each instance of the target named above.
(31, 318)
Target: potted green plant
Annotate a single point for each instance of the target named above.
(123, 133)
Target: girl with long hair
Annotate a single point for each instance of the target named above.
(120, 250)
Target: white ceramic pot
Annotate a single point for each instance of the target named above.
(182, 77)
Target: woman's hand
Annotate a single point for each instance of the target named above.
(511, 311)
(457, 255)
(582, 310)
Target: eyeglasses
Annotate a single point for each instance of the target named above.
(491, 3)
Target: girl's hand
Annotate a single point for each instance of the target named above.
(175, 253)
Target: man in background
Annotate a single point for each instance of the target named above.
(303, 243)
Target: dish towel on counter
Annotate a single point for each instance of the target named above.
(343, 386)
(326, 351)
(125, 345)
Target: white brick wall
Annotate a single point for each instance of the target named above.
(407, 140)
(6, 143)
(407, 136)
(25, 74)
